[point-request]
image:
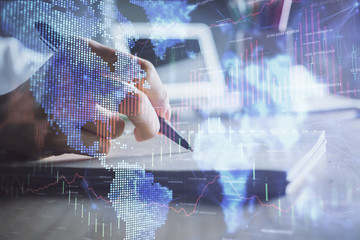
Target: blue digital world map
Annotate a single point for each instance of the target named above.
(75, 86)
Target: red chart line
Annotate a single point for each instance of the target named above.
(156, 203)
(68, 182)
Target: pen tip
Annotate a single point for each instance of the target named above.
(191, 149)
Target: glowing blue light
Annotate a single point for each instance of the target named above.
(140, 202)
(164, 12)
(232, 202)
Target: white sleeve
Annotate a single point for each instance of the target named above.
(17, 64)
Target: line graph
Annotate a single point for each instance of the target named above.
(68, 182)
(248, 15)
(187, 213)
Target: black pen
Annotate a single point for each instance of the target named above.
(170, 132)
(53, 40)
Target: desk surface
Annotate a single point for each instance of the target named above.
(325, 206)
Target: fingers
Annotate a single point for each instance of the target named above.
(106, 53)
(103, 130)
(98, 127)
(110, 127)
(145, 105)
(156, 93)
(89, 138)
(138, 108)
(56, 143)
(140, 112)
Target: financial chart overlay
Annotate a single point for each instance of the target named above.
(266, 92)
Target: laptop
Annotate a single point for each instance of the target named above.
(189, 69)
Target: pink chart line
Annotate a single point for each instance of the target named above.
(156, 203)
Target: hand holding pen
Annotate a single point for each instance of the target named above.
(52, 139)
